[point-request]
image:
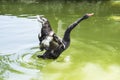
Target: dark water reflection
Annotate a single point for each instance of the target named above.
(95, 46)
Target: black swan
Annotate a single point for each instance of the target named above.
(50, 42)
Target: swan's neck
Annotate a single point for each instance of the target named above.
(66, 37)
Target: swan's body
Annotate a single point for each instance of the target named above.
(49, 41)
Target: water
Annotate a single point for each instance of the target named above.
(95, 43)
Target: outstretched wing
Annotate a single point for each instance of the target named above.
(45, 35)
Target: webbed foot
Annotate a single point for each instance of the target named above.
(41, 56)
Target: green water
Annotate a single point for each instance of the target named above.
(94, 53)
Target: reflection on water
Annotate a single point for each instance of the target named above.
(89, 71)
(15, 36)
(95, 46)
(96, 72)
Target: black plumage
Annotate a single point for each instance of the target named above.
(50, 42)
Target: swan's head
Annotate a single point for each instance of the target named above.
(88, 15)
(91, 14)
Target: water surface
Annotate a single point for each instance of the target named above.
(95, 43)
